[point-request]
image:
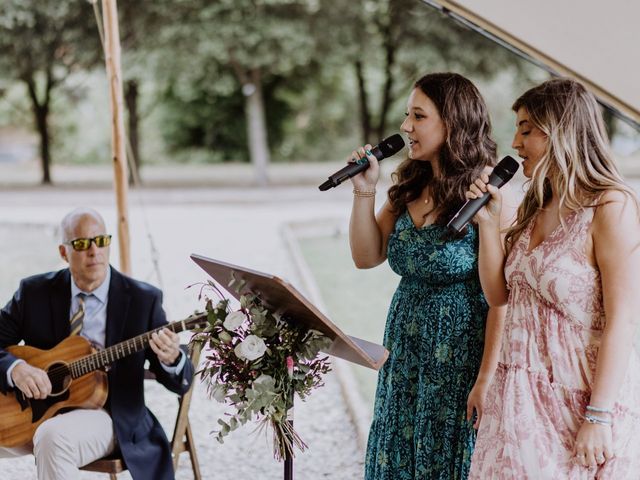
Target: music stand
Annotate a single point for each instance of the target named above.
(278, 295)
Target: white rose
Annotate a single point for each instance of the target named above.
(234, 320)
(251, 348)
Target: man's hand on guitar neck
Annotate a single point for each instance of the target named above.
(166, 345)
(31, 381)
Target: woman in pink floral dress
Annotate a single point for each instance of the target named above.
(564, 403)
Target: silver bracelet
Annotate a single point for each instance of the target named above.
(597, 420)
(599, 410)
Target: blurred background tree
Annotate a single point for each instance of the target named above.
(140, 24)
(394, 42)
(237, 52)
(239, 80)
(42, 42)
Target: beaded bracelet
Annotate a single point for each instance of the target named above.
(364, 193)
(599, 410)
(597, 420)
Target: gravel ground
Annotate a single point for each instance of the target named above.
(241, 226)
(238, 225)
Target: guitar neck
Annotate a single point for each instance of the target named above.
(109, 355)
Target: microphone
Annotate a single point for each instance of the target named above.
(386, 148)
(502, 173)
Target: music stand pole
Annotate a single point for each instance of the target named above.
(288, 459)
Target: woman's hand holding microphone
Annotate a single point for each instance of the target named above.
(364, 184)
(489, 215)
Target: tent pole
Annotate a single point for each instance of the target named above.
(118, 143)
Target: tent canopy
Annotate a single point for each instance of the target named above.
(594, 42)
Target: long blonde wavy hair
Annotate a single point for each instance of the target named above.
(577, 164)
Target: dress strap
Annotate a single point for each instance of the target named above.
(581, 222)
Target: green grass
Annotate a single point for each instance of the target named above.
(25, 250)
(357, 300)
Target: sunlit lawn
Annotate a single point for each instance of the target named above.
(357, 300)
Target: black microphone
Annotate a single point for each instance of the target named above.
(502, 173)
(386, 148)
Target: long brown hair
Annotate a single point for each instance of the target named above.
(577, 164)
(467, 149)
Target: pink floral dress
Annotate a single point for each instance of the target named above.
(536, 403)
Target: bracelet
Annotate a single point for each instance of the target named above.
(364, 193)
(597, 420)
(599, 410)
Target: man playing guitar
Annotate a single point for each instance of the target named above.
(92, 299)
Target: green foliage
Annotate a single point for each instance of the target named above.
(14, 105)
(199, 115)
(265, 34)
(303, 53)
(42, 43)
(320, 125)
(46, 35)
(228, 45)
(397, 41)
(306, 52)
(256, 361)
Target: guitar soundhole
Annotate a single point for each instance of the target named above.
(60, 377)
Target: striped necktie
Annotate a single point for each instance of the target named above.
(78, 317)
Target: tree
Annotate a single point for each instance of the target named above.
(141, 23)
(256, 41)
(42, 42)
(389, 43)
(202, 113)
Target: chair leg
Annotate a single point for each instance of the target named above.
(192, 454)
(188, 445)
(113, 476)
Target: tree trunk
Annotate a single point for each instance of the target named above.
(41, 117)
(131, 101)
(390, 57)
(256, 126)
(365, 117)
(42, 122)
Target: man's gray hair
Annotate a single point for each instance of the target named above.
(71, 219)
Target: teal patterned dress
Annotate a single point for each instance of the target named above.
(435, 337)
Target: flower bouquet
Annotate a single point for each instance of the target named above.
(255, 361)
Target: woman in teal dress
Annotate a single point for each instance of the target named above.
(441, 339)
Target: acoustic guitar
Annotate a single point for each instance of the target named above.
(78, 379)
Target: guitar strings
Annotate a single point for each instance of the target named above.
(88, 363)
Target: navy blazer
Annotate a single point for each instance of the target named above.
(38, 313)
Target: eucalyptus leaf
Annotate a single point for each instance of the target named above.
(260, 389)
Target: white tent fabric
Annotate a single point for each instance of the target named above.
(595, 42)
